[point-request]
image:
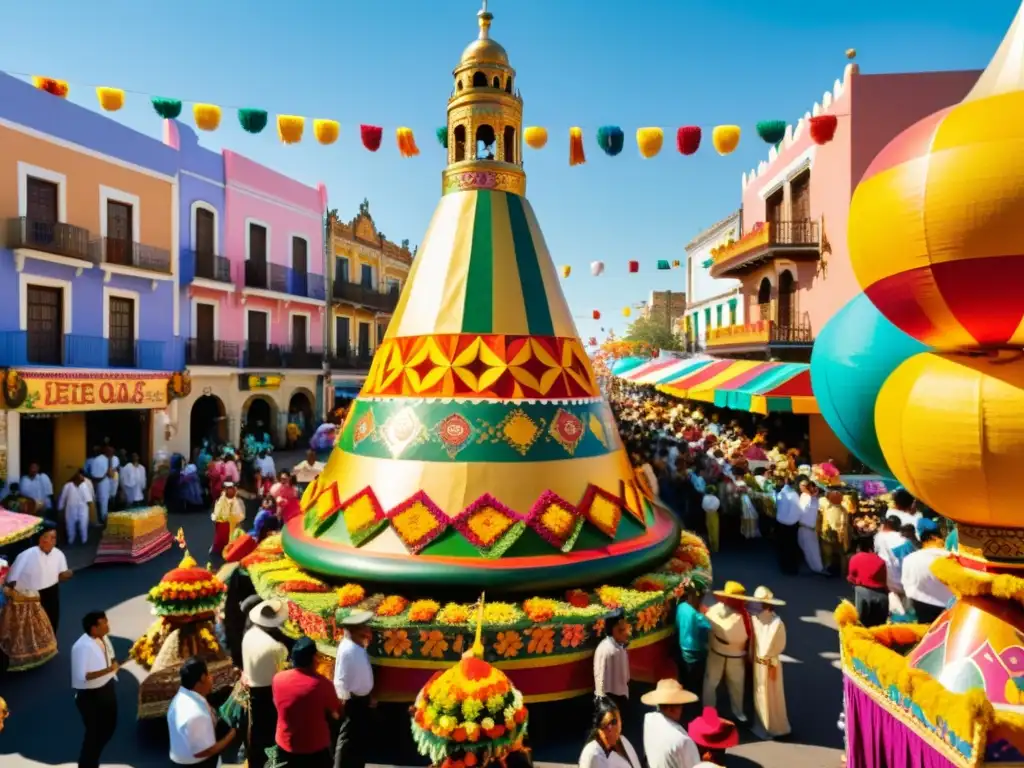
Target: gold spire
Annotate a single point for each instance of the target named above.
(1005, 73)
(485, 119)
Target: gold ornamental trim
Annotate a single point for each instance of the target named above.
(464, 180)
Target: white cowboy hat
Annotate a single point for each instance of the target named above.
(270, 614)
(356, 619)
(668, 692)
(766, 597)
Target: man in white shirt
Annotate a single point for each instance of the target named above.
(807, 534)
(308, 470)
(74, 503)
(93, 676)
(41, 569)
(353, 682)
(133, 481)
(36, 485)
(191, 721)
(902, 507)
(787, 517)
(926, 593)
(263, 656)
(99, 473)
(666, 742)
(611, 664)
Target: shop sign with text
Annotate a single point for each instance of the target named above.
(28, 390)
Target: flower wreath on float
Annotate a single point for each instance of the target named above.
(470, 714)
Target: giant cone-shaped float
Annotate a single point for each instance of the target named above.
(480, 452)
(937, 245)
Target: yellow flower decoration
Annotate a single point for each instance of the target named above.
(542, 640)
(397, 642)
(508, 644)
(454, 613)
(423, 610)
(434, 644)
(350, 594)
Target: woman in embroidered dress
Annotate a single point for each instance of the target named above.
(26, 636)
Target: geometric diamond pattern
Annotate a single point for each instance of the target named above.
(481, 366)
(487, 524)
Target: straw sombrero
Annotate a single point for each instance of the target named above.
(734, 590)
(766, 596)
(668, 692)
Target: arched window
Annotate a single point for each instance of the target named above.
(458, 85)
(787, 289)
(479, 80)
(496, 82)
(485, 142)
(764, 298)
(510, 144)
(460, 143)
(508, 85)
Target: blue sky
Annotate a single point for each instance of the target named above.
(579, 62)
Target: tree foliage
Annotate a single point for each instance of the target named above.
(654, 332)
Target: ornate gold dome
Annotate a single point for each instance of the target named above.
(483, 50)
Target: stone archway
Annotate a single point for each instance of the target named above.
(259, 416)
(301, 409)
(208, 420)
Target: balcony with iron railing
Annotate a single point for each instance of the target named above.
(213, 352)
(366, 296)
(119, 252)
(204, 265)
(262, 355)
(764, 332)
(265, 276)
(55, 238)
(351, 359)
(44, 348)
(795, 239)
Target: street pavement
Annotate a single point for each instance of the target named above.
(44, 728)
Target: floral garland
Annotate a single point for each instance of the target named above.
(430, 629)
(468, 715)
(967, 716)
(187, 592)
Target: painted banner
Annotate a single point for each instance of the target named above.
(29, 390)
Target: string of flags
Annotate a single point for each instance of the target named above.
(597, 269)
(291, 129)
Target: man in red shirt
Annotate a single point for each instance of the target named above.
(867, 573)
(304, 702)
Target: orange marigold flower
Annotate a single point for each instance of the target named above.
(540, 609)
(434, 644)
(392, 605)
(572, 635)
(542, 640)
(350, 594)
(423, 610)
(508, 644)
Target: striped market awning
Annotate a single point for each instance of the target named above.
(626, 364)
(651, 366)
(680, 368)
(747, 385)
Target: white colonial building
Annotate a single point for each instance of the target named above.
(711, 303)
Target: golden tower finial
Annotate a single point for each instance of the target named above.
(478, 646)
(485, 119)
(484, 19)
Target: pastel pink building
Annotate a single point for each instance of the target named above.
(791, 257)
(252, 297)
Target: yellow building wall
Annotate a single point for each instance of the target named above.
(68, 447)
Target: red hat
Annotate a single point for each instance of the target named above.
(712, 732)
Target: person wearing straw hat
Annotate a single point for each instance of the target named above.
(728, 647)
(263, 656)
(769, 641)
(713, 735)
(353, 682)
(666, 742)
